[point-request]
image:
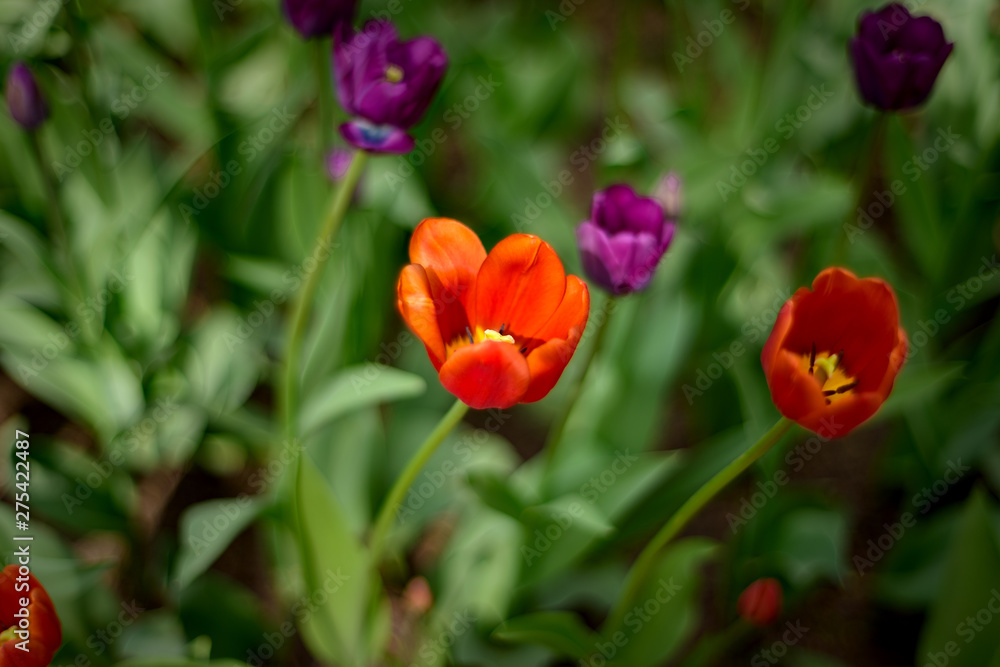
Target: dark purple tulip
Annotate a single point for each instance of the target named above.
(625, 238)
(24, 100)
(897, 57)
(385, 84)
(317, 18)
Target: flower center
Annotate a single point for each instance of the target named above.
(471, 337)
(393, 73)
(832, 379)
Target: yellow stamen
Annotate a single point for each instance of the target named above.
(393, 73)
(832, 378)
(490, 334)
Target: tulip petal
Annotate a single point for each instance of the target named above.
(377, 138)
(795, 393)
(841, 417)
(489, 374)
(556, 341)
(519, 286)
(598, 259)
(921, 35)
(452, 255)
(417, 306)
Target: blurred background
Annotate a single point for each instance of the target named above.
(186, 163)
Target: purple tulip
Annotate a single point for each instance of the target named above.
(385, 84)
(24, 99)
(316, 18)
(625, 238)
(897, 57)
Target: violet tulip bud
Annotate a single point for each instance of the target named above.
(24, 99)
(897, 57)
(385, 84)
(316, 18)
(625, 238)
(760, 603)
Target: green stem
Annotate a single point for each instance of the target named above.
(388, 512)
(644, 563)
(306, 296)
(556, 432)
(321, 53)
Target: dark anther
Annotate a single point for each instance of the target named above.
(524, 349)
(840, 358)
(812, 359)
(847, 387)
(502, 327)
(829, 392)
(469, 331)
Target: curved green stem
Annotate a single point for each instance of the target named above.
(388, 512)
(644, 563)
(556, 432)
(306, 296)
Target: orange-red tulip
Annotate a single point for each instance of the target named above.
(834, 352)
(499, 328)
(43, 627)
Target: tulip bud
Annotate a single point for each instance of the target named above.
(418, 596)
(760, 603)
(316, 18)
(24, 99)
(897, 57)
(668, 192)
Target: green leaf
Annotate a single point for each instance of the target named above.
(494, 491)
(561, 631)
(357, 387)
(971, 583)
(666, 610)
(811, 545)
(335, 561)
(208, 528)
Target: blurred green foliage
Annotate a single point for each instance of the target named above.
(186, 155)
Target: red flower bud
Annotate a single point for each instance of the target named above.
(760, 603)
(43, 623)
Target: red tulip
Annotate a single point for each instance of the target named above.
(43, 627)
(834, 352)
(760, 603)
(499, 328)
